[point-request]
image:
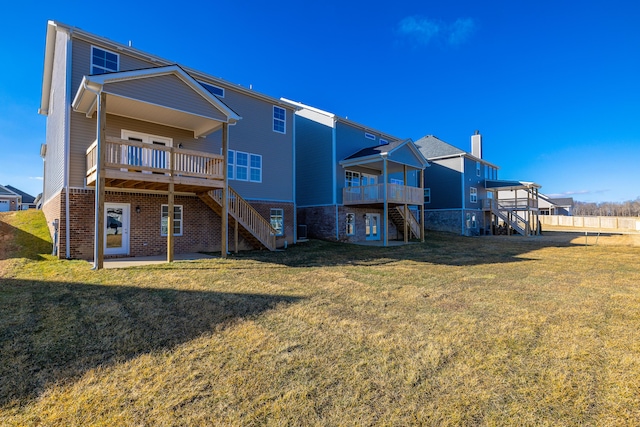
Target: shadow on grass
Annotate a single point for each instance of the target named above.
(18, 243)
(56, 331)
(439, 248)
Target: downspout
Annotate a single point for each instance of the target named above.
(334, 172)
(67, 143)
(97, 225)
(295, 198)
(464, 196)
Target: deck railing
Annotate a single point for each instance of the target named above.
(246, 215)
(510, 204)
(396, 193)
(135, 156)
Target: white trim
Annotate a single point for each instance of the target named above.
(281, 233)
(125, 229)
(237, 166)
(251, 155)
(106, 70)
(181, 220)
(274, 119)
(147, 138)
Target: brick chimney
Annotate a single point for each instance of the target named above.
(476, 144)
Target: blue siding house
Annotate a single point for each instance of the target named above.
(355, 183)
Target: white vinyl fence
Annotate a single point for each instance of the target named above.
(608, 223)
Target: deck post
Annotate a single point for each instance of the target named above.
(170, 221)
(98, 258)
(225, 189)
(385, 214)
(422, 206)
(406, 207)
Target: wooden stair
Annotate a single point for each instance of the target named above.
(396, 215)
(251, 225)
(511, 218)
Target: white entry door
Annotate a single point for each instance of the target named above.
(372, 226)
(116, 228)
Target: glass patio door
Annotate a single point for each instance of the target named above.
(372, 226)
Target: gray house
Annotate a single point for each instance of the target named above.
(27, 200)
(463, 195)
(9, 200)
(180, 159)
(355, 183)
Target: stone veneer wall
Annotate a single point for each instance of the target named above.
(451, 221)
(321, 221)
(201, 226)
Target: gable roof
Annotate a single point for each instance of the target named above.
(26, 198)
(203, 115)
(4, 191)
(402, 152)
(434, 148)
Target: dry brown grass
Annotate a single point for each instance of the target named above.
(456, 331)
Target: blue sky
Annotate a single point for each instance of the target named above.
(553, 86)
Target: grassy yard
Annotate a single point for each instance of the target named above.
(455, 331)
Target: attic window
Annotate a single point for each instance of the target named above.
(217, 91)
(369, 136)
(103, 61)
(383, 141)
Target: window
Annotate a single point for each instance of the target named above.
(473, 193)
(103, 61)
(478, 166)
(427, 195)
(177, 220)
(383, 141)
(215, 90)
(396, 181)
(277, 221)
(230, 163)
(242, 166)
(369, 136)
(279, 119)
(351, 224)
(352, 179)
(255, 168)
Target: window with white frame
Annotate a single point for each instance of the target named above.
(396, 181)
(427, 195)
(369, 136)
(383, 141)
(478, 166)
(352, 179)
(231, 156)
(177, 220)
(473, 195)
(255, 168)
(215, 90)
(277, 220)
(279, 119)
(103, 61)
(351, 224)
(242, 166)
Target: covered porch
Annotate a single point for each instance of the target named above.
(369, 183)
(166, 96)
(515, 203)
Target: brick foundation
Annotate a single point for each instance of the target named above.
(452, 222)
(201, 229)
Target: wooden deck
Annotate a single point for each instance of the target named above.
(141, 166)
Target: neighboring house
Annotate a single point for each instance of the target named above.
(355, 183)
(556, 205)
(9, 200)
(150, 144)
(28, 201)
(462, 191)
